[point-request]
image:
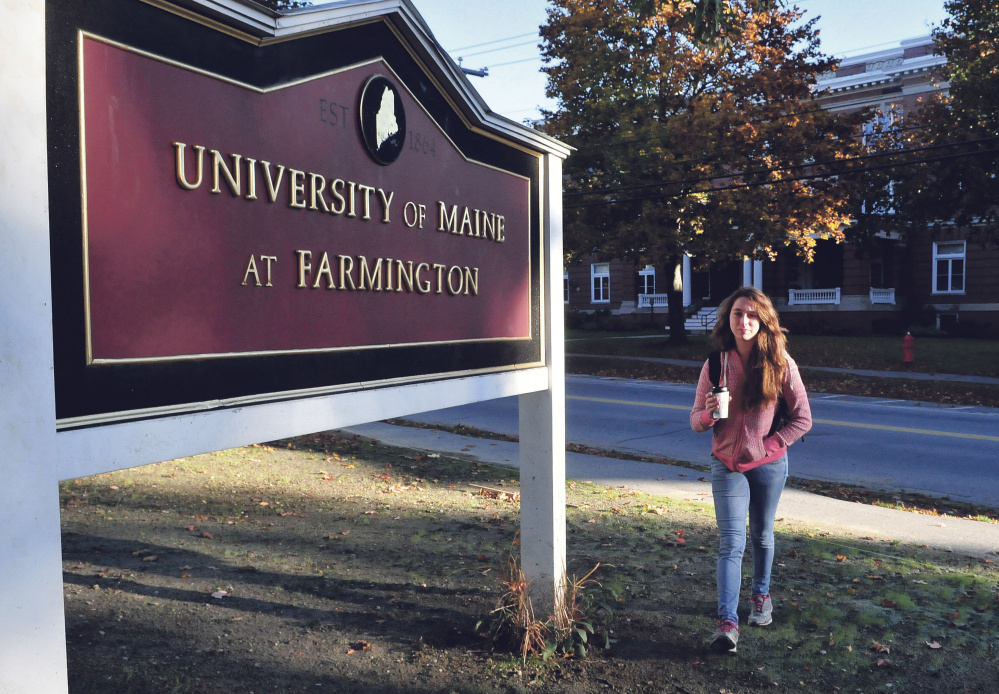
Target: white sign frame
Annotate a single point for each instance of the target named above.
(36, 457)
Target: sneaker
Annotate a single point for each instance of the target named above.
(725, 637)
(762, 611)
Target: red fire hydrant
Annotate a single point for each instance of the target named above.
(907, 342)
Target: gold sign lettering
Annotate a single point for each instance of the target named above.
(488, 225)
(181, 169)
(309, 190)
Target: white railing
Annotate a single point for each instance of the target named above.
(798, 297)
(708, 317)
(652, 300)
(882, 296)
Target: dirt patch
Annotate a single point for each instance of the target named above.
(330, 564)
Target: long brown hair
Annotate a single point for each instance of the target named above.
(768, 359)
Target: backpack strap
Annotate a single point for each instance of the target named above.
(714, 367)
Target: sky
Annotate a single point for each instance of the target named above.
(506, 40)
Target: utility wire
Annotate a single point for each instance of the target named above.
(497, 50)
(714, 160)
(907, 128)
(489, 43)
(775, 169)
(513, 62)
(739, 186)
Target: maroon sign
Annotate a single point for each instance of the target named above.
(221, 219)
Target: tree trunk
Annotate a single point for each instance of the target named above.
(677, 330)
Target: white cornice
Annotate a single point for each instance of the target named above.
(882, 67)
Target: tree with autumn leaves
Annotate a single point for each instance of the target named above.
(714, 149)
(949, 176)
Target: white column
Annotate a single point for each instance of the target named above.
(542, 424)
(33, 638)
(687, 299)
(747, 272)
(758, 274)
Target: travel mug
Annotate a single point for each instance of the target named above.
(721, 393)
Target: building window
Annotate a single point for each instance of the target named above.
(565, 287)
(647, 280)
(948, 267)
(600, 283)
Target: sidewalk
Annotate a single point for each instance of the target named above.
(797, 507)
(910, 375)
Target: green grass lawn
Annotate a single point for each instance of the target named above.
(932, 355)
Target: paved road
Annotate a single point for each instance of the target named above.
(881, 444)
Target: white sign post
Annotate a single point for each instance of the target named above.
(32, 638)
(35, 457)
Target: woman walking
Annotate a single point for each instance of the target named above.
(766, 411)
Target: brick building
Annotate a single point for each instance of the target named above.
(942, 277)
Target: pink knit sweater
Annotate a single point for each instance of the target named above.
(741, 441)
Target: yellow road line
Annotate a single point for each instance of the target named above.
(907, 430)
(831, 422)
(611, 401)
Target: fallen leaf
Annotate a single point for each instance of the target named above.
(935, 644)
(205, 535)
(887, 603)
(264, 503)
(359, 646)
(880, 648)
(840, 557)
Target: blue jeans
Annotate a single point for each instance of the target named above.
(737, 494)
